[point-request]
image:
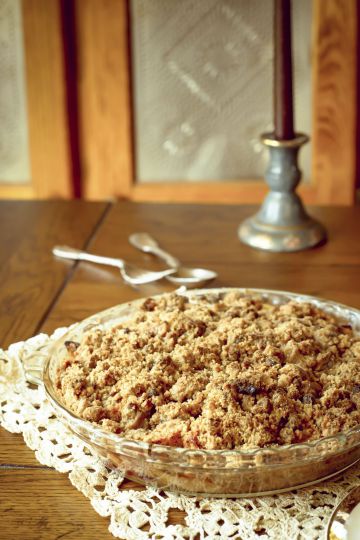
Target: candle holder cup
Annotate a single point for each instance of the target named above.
(282, 223)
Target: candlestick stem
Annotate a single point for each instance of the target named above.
(283, 88)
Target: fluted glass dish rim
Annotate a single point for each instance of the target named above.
(201, 472)
(270, 456)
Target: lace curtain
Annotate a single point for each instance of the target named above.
(14, 158)
(203, 86)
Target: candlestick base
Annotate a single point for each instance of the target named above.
(282, 223)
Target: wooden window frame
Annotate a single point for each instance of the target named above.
(48, 131)
(334, 114)
(104, 105)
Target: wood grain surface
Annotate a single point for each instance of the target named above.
(105, 138)
(40, 504)
(46, 104)
(245, 191)
(207, 236)
(30, 276)
(37, 502)
(47, 122)
(104, 98)
(335, 100)
(107, 146)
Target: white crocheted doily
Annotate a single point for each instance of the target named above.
(297, 515)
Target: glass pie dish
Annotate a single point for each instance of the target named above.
(221, 473)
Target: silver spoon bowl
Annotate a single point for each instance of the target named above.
(343, 524)
(182, 275)
(191, 277)
(131, 274)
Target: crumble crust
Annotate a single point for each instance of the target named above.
(237, 372)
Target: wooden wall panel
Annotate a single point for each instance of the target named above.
(225, 192)
(50, 163)
(105, 112)
(46, 103)
(16, 191)
(334, 102)
(104, 98)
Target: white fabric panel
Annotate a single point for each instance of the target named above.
(14, 152)
(203, 86)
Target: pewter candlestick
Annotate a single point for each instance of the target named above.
(282, 223)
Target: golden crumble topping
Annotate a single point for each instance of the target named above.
(235, 372)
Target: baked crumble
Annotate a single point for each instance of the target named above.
(235, 372)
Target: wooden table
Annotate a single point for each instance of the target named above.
(40, 293)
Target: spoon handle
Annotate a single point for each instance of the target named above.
(73, 254)
(148, 244)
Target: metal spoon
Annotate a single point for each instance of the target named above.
(190, 277)
(344, 521)
(131, 274)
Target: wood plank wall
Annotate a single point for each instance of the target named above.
(50, 162)
(78, 75)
